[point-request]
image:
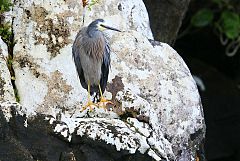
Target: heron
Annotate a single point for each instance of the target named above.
(91, 55)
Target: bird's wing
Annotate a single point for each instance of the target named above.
(76, 57)
(105, 67)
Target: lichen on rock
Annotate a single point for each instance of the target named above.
(156, 108)
(6, 89)
(58, 92)
(52, 32)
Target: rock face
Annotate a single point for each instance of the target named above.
(160, 76)
(45, 31)
(6, 90)
(166, 19)
(157, 113)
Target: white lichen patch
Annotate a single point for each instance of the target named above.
(6, 89)
(153, 155)
(7, 106)
(130, 100)
(141, 127)
(3, 49)
(155, 137)
(111, 131)
(123, 14)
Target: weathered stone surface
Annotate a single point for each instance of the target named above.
(44, 31)
(159, 75)
(6, 89)
(158, 112)
(3, 49)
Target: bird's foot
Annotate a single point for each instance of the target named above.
(104, 102)
(91, 106)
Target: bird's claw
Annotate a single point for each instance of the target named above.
(103, 103)
(91, 106)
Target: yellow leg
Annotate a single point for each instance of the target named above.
(89, 96)
(103, 101)
(89, 103)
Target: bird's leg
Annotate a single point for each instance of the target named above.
(89, 96)
(102, 99)
(89, 103)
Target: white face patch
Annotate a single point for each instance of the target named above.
(100, 27)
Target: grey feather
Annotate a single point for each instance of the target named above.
(105, 67)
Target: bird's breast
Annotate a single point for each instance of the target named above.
(96, 48)
(91, 69)
(92, 59)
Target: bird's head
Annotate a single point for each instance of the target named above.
(99, 24)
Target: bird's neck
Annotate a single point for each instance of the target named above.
(92, 32)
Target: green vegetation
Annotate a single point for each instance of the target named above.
(223, 17)
(5, 28)
(202, 18)
(5, 5)
(7, 36)
(92, 3)
(5, 32)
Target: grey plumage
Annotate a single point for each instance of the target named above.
(91, 55)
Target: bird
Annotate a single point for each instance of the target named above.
(91, 55)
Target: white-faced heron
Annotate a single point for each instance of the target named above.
(91, 55)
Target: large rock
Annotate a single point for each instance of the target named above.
(157, 113)
(160, 76)
(44, 31)
(6, 89)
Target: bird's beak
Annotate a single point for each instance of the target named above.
(110, 28)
